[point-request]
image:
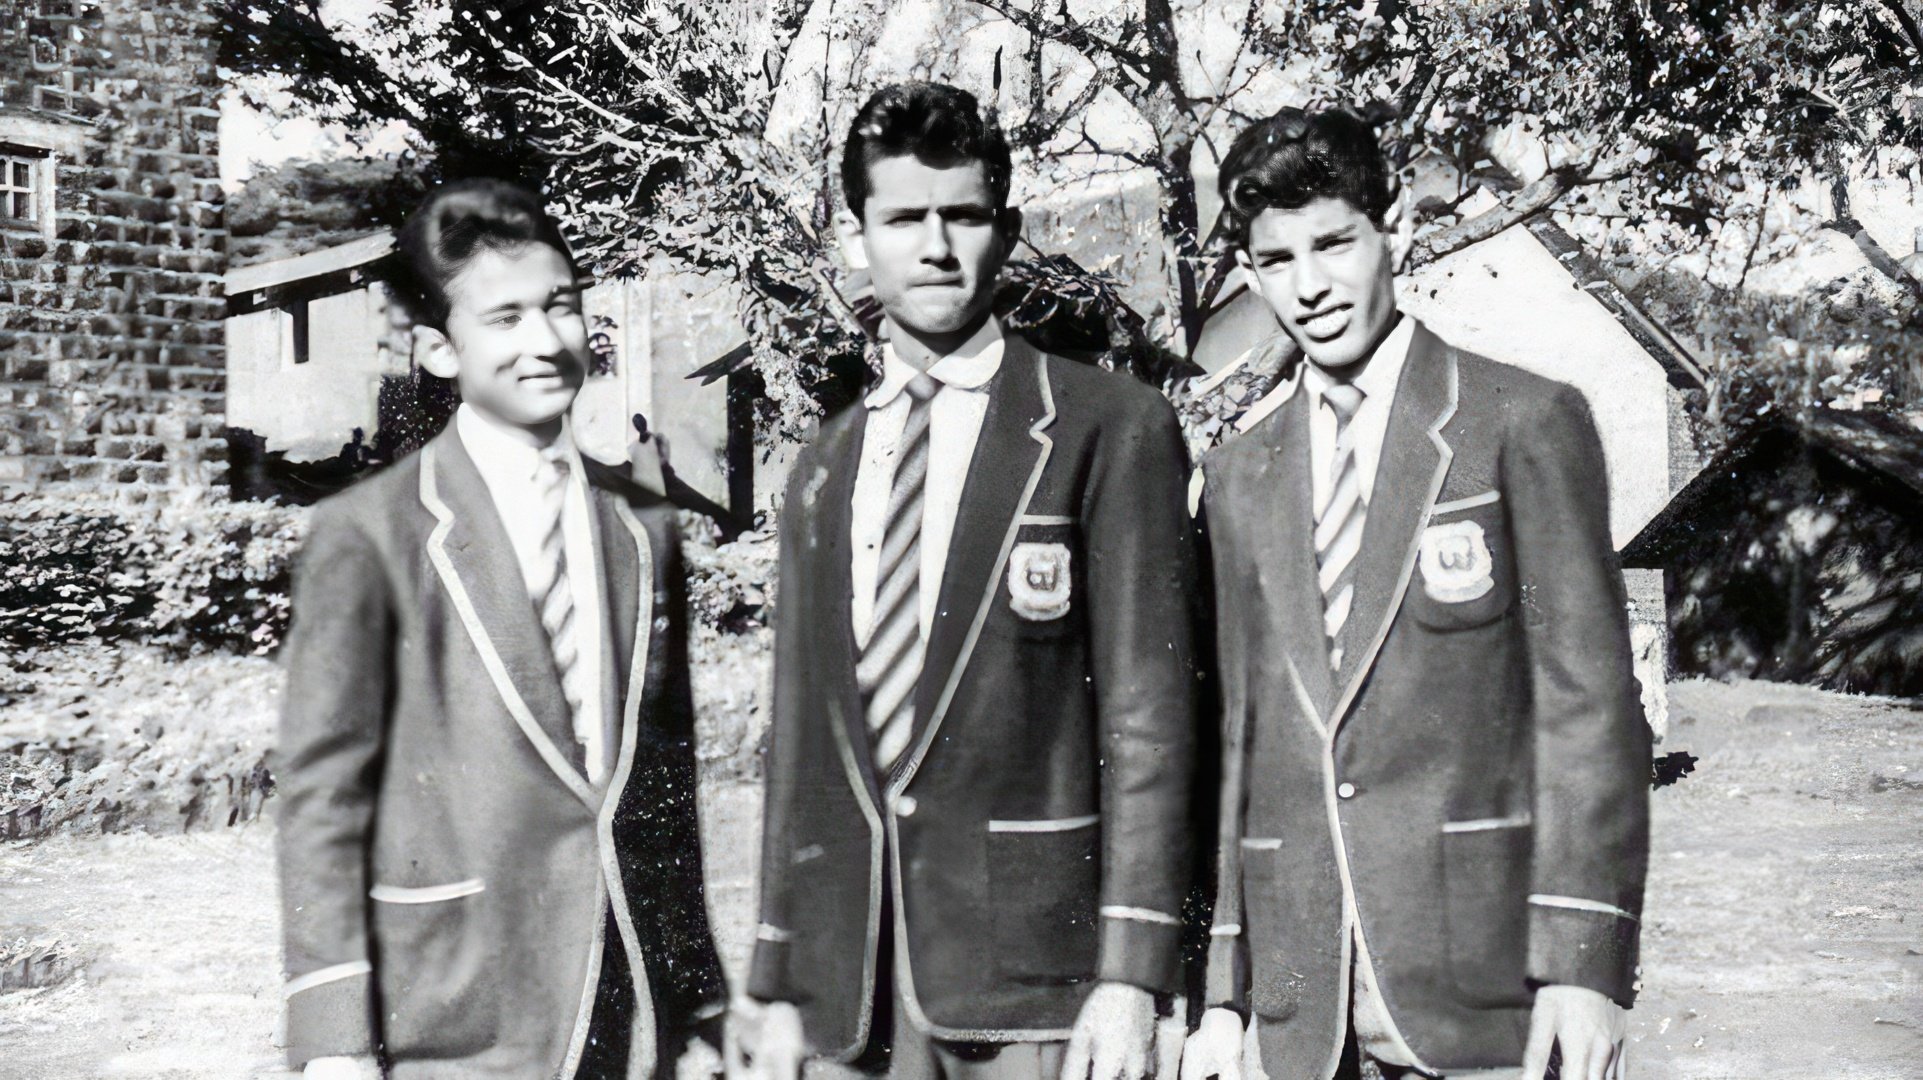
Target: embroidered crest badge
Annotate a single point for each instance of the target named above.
(1455, 562)
(1038, 581)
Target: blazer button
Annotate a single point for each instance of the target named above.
(1345, 790)
(905, 806)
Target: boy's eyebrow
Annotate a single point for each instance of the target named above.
(577, 286)
(1336, 234)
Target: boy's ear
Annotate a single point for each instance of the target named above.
(1402, 226)
(1010, 220)
(854, 247)
(434, 352)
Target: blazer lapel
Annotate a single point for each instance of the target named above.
(475, 560)
(1297, 607)
(1009, 457)
(1415, 458)
(832, 571)
(621, 599)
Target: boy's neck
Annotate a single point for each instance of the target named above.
(922, 351)
(538, 437)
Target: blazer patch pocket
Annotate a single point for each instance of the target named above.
(1485, 886)
(1044, 879)
(1462, 571)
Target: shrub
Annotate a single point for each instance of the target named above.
(189, 574)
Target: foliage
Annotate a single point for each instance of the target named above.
(105, 738)
(1771, 357)
(190, 574)
(1674, 134)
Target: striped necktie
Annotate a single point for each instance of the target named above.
(1338, 525)
(554, 597)
(890, 666)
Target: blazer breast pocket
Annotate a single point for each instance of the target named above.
(1465, 573)
(1041, 586)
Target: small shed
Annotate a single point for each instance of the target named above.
(1796, 554)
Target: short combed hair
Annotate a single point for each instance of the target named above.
(1295, 157)
(932, 122)
(457, 222)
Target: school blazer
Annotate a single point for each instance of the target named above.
(1476, 774)
(450, 880)
(1032, 838)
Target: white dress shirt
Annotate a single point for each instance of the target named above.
(510, 469)
(954, 426)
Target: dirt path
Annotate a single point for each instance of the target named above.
(1783, 934)
(1783, 937)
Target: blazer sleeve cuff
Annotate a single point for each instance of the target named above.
(1141, 947)
(768, 970)
(329, 1012)
(1588, 943)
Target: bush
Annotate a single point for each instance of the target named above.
(189, 574)
(730, 590)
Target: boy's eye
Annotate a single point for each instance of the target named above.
(1276, 258)
(506, 321)
(1334, 243)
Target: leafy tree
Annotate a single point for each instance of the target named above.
(1683, 136)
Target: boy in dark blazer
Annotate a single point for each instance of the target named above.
(979, 770)
(1434, 821)
(488, 850)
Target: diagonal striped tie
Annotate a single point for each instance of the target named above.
(1338, 525)
(554, 597)
(890, 665)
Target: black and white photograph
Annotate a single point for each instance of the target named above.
(961, 540)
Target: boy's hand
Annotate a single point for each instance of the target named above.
(1216, 1047)
(1112, 1035)
(765, 1041)
(342, 1068)
(1588, 1026)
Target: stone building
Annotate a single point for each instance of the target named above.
(112, 244)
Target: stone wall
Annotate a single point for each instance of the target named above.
(111, 361)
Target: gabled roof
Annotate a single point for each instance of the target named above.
(1886, 451)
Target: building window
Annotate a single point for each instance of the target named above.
(25, 199)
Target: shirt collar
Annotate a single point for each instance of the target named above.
(498, 453)
(969, 367)
(1377, 381)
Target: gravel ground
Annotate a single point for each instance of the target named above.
(1777, 941)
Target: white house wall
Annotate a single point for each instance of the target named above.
(1508, 298)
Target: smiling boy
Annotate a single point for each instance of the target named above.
(488, 851)
(1434, 823)
(984, 696)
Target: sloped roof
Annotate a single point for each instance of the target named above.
(1884, 449)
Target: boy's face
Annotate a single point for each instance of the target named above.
(516, 343)
(1328, 273)
(935, 242)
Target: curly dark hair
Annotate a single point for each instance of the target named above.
(456, 222)
(934, 122)
(1295, 157)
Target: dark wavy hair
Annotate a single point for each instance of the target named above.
(457, 222)
(933, 122)
(1295, 157)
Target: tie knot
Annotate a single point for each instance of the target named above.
(1344, 399)
(923, 386)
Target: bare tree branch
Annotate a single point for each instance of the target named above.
(1845, 222)
(1520, 206)
(1075, 35)
(1907, 21)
